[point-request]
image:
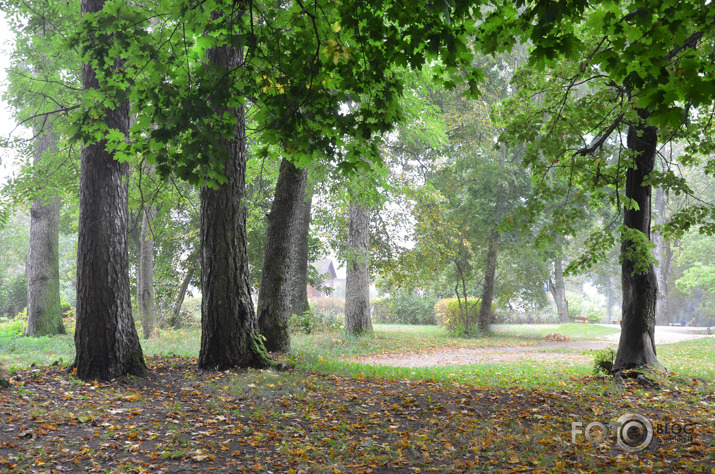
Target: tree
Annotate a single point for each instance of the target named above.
(104, 312)
(357, 290)
(44, 310)
(557, 288)
(615, 69)
(145, 273)
(299, 278)
(274, 297)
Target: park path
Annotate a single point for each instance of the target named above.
(552, 351)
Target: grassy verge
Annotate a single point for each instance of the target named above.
(577, 332)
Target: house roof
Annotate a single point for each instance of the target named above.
(325, 266)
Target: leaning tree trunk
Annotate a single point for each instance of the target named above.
(299, 279)
(44, 307)
(145, 274)
(175, 320)
(662, 254)
(485, 306)
(106, 341)
(274, 308)
(557, 288)
(229, 327)
(636, 347)
(357, 290)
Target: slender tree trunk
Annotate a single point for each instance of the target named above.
(357, 291)
(229, 327)
(485, 308)
(637, 345)
(175, 320)
(44, 307)
(106, 341)
(662, 252)
(610, 300)
(299, 279)
(274, 308)
(557, 288)
(145, 275)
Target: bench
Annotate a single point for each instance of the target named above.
(674, 324)
(580, 319)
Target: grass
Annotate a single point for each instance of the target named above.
(575, 331)
(330, 353)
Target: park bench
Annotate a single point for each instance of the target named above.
(580, 319)
(674, 324)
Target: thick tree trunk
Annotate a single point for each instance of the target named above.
(557, 288)
(357, 291)
(145, 274)
(485, 306)
(175, 321)
(44, 309)
(229, 327)
(274, 308)
(299, 280)
(106, 341)
(637, 345)
(663, 253)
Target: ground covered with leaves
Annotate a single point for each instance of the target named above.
(181, 419)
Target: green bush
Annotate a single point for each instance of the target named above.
(312, 322)
(328, 305)
(404, 309)
(448, 315)
(13, 296)
(603, 361)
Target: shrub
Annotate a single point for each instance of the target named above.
(404, 309)
(448, 315)
(312, 322)
(328, 305)
(603, 361)
(13, 296)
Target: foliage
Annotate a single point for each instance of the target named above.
(328, 305)
(603, 361)
(311, 322)
(449, 314)
(404, 308)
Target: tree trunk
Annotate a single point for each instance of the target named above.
(145, 274)
(175, 321)
(299, 280)
(106, 341)
(485, 308)
(557, 288)
(274, 302)
(663, 253)
(44, 308)
(229, 327)
(637, 346)
(357, 291)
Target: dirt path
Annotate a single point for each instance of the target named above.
(552, 351)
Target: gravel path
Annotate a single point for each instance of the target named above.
(552, 351)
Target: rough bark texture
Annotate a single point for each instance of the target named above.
(485, 306)
(299, 279)
(637, 346)
(175, 320)
(145, 277)
(229, 327)
(662, 252)
(357, 291)
(274, 308)
(106, 341)
(44, 307)
(557, 288)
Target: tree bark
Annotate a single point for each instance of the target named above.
(557, 288)
(299, 280)
(636, 347)
(357, 291)
(485, 306)
(229, 327)
(145, 274)
(663, 253)
(274, 302)
(44, 307)
(175, 320)
(106, 341)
